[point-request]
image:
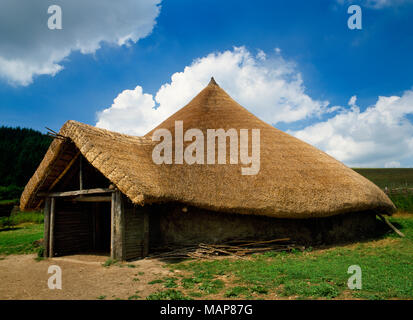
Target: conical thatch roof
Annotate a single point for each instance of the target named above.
(295, 179)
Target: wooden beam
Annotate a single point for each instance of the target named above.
(80, 173)
(92, 199)
(61, 175)
(401, 234)
(52, 225)
(75, 192)
(46, 227)
(49, 169)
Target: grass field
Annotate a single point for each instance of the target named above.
(390, 178)
(387, 273)
(20, 239)
(19, 232)
(21, 217)
(393, 178)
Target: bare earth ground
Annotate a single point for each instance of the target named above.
(83, 277)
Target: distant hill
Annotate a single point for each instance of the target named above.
(21, 151)
(391, 178)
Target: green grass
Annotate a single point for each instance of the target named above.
(403, 202)
(387, 271)
(170, 294)
(393, 178)
(156, 281)
(236, 292)
(170, 283)
(20, 240)
(203, 284)
(21, 217)
(109, 262)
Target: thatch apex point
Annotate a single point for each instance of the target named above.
(212, 82)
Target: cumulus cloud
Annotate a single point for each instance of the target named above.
(28, 48)
(132, 112)
(380, 136)
(269, 87)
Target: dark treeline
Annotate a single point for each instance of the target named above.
(21, 151)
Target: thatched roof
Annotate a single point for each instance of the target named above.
(295, 180)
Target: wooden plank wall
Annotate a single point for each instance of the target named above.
(72, 232)
(136, 232)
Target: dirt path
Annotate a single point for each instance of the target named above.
(83, 277)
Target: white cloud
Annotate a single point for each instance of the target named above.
(270, 87)
(261, 55)
(380, 4)
(382, 135)
(28, 48)
(122, 116)
(375, 4)
(352, 101)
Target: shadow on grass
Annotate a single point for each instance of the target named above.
(10, 229)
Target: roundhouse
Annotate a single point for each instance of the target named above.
(102, 191)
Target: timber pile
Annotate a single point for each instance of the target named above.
(238, 249)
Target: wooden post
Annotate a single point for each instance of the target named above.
(118, 224)
(401, 234)
(145, 246)
(80, 173)
(46, 234)
(52, 224)
(112, 227)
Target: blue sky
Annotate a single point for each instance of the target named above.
(334, 62)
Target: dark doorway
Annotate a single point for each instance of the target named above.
(82, 227)
(100, 227)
